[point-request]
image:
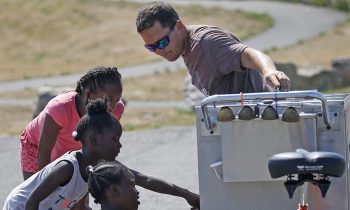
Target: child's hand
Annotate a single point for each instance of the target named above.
(193, 200)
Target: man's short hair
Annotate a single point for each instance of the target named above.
(156, 11)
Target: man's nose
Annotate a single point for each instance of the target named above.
(159, 52)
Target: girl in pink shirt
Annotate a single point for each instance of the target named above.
(49, 135)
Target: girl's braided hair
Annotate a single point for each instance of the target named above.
(97, 77)
(102, 176)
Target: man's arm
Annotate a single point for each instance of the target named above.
(261, 62)
(161, 186)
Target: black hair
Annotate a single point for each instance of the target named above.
(97, 118)
(156, 11)
(103, 175)
(97, 77)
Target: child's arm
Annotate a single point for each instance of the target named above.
(59, 176)
(161, 186)
(47, 141)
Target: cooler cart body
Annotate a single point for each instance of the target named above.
(233, 155)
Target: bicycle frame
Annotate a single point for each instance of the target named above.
(303, 205)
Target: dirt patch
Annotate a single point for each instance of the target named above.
(165, 86)
(14, 119)
(153, 118)
(318, 51)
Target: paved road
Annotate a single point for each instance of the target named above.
(293, 22)
(127, 72)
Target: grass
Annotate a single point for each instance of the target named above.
(339, 90)
(167, 86)
(152, 87)
(47, 38)
(27, 93)
(318, 51)
(14, 119)
(138, 118)
(156, 87)
(342, 5)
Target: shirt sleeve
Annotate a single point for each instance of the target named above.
(225, 50)
(119, 109)
(57, 111)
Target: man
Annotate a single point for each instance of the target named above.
(218, 62)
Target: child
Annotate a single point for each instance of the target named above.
(49, 135)
(113, 186)
(62, 183)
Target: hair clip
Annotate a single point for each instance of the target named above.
(74, 134)
(90, 169)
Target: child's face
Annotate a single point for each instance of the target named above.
(111, 92)
(108, 143)
(125, 195)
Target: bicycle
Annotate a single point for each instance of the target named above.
(310, 167)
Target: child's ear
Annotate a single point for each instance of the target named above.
(111, 193)
(115, 189)
(86, 95)
(92, 138)
(87, 92)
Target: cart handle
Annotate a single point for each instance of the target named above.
(308, 94)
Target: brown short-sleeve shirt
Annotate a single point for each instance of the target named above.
(213, 60)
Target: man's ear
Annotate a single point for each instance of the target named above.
(179, 25)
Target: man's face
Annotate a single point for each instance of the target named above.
(155, 36)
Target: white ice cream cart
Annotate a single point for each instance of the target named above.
(233, 153)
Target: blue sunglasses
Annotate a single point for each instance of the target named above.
(162, 43)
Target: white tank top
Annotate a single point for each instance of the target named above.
(64, 197)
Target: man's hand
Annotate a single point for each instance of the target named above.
(278, 80)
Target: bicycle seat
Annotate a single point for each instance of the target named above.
(304, 162)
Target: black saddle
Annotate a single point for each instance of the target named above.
(306, 165)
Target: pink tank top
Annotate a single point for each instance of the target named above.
(63, 111)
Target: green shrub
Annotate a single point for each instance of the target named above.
(343, 5)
